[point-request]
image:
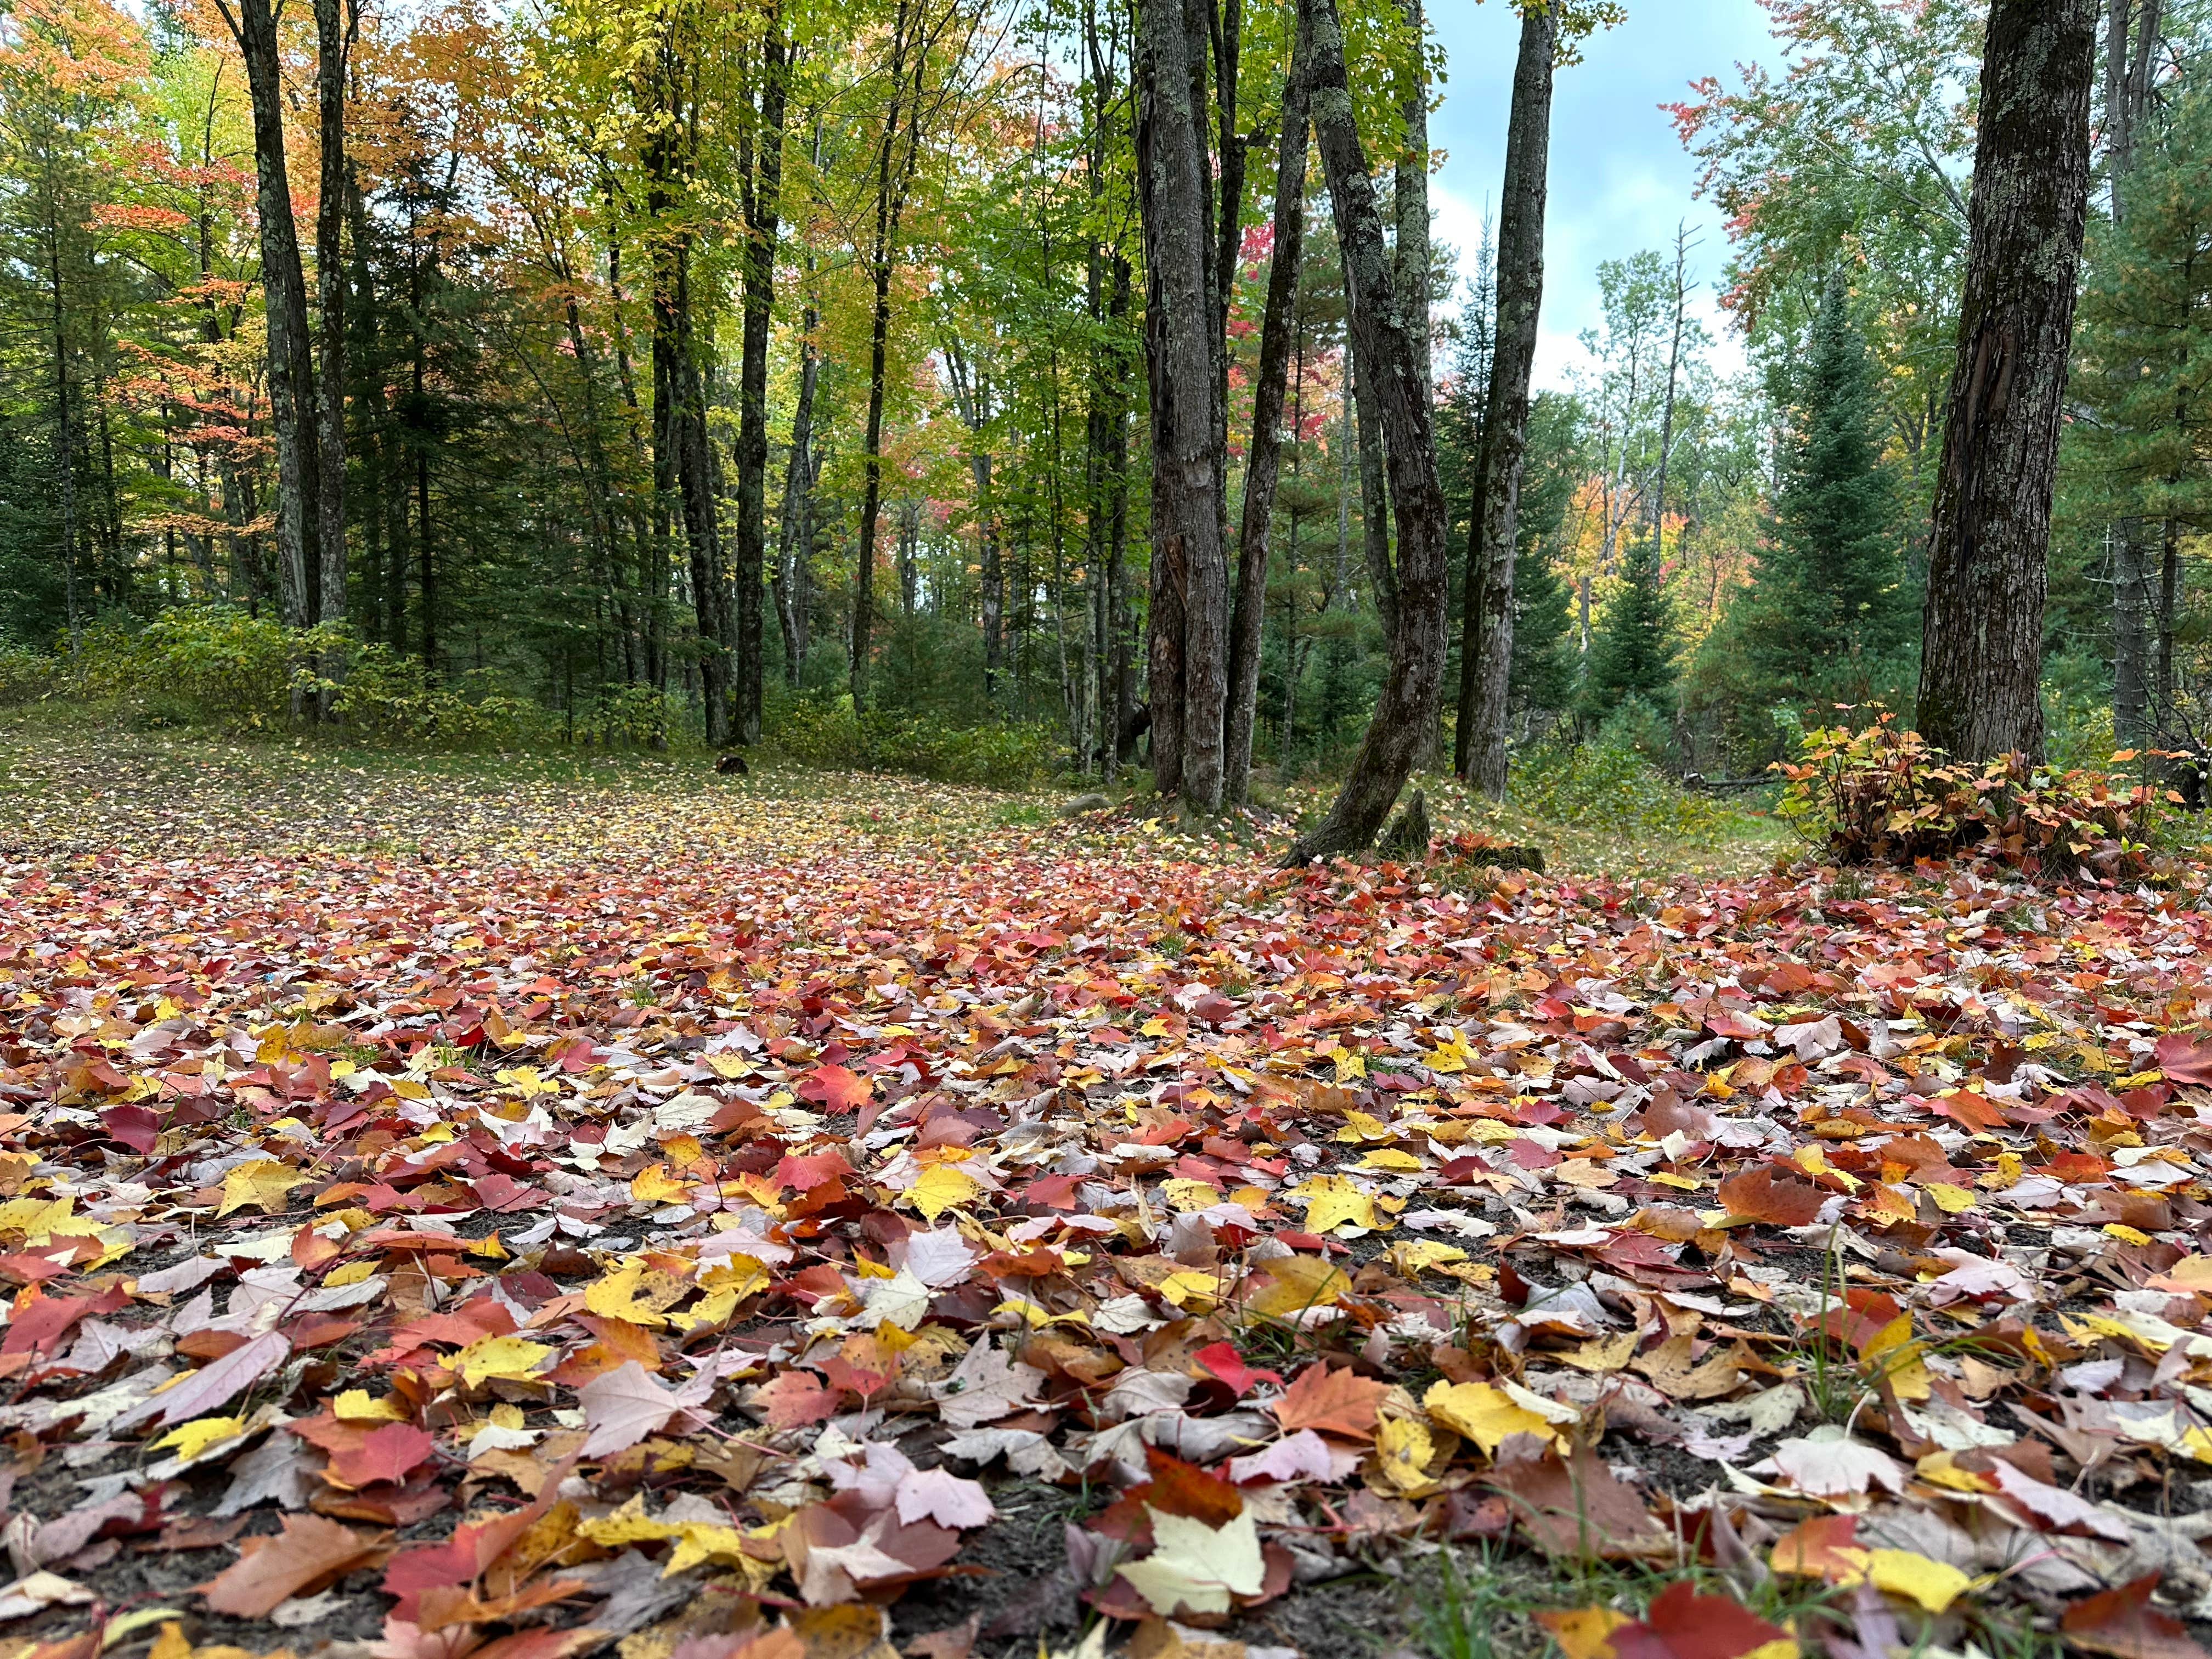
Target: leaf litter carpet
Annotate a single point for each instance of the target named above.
(695, 1222)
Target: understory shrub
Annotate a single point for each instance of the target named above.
(1882, 795)
(25, 675)
(1607, 784)
(219, 665)
(831, 735)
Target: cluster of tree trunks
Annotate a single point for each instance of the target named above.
(1203, 636)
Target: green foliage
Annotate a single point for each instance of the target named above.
(1882, 795)
(1542, 674)
(206, 663)
(829, 734)
(1831, 617)
(1634, 651)
(1607, 784)
(26, 675)
(219, 665)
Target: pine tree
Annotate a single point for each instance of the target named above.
(1633, 654)
(1831, 608)
(1541, 675)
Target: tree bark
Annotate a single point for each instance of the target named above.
(763, 195)
(1411, 200)
(892, 177)
(291, 340)
(1405, 713)
(1487, 641)
(796, 529)
(1264, 467)
(332, 44)
(1982, 647)
(1190, 597)
(1374, 492)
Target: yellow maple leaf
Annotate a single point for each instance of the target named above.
(1892, 1352)
(1484, 1414)
(1185, 1195)
(360, 1405)
(1299, 1282)
(262, 1183)
(192, 1439)
(616, 1296)
(500, 1358)
(1334, 1201)
(1584, 1632)
(1934, 1584)
(1191, 1289)
(1348, 1064)
(1389, 1158)
(1403, 1447)
(655, 1185)
(941, 1189)
(1952, 1200)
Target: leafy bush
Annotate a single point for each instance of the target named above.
(209, 663)
(25, 675)
(831, 735)
(1881, 795)
(216, 664)
(391, 699)
(1606, 785)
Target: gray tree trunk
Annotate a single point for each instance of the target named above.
(763, 195)
(1406, 712)
(1487, 641)
(1982, 651)
(1190, 587)
(1374, 494)
(1264, 467)
(332, 44)
(291, 341)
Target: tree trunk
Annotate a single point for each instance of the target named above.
(331, 48)
(2131, 723)
(763, 193)
(1405, 713)
(891, 180)
(64, 429)
(1374, 492)
(1265, 465)
(1487, 641)
(1190, 598)
(291, 341)
(2127, 90)
(796, 530)
(1988, 554)
(1412, 252)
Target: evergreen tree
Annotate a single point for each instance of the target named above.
(1542, 674)
(1831, 607)
(1633, 653)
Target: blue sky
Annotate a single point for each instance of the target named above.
(1620, 180)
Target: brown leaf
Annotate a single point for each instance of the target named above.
(1765, 1194)
(1339, 1403)
(308, 1554)
(2122, 1623)
(1577, 1508)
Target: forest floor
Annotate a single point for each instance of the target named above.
(454, 1209)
